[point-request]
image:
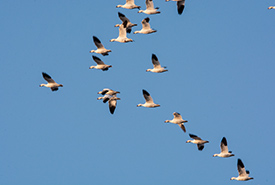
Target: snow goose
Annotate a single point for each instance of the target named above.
(157, 66)
(100, 64)
(148, 100)
(243, 174)
(146, 29)
(130, 4)
(224, 149)
(180, 5)
(150, 8)
(129, 24)
(51, 83)
(197, 140)
(122, 37)
(271, 7)
(177, 120)
(100, 47)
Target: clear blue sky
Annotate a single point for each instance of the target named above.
(220, 57)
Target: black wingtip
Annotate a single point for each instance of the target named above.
(96, 39)
(240, 163)
(95, 58)
(192, 135)
(147, 19)
(224, 141)
(180, 10)
(45, 75)
(121, 15)
(154, 57)
(145, 92)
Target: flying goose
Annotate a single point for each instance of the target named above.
(148, 100)
(100, 47)
(224, 149)
(122, 37)
(51, 83)
(149, 8)
(146, 29)
(177, 120)
(108, 94)
(129, 24)
(180, 5)
(271, 7)
(130, 4)
(112, 101)
(157, 66)
(243, 174)
(100, 64)
(197, 140)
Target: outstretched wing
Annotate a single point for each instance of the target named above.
(47, 78)
(241, 168)
(155, 61)
(97, 42)
(224, 147)
(180, 6)
(145, 23)
(147, 96)
(149, 4)
(194, 137)
(97, 60)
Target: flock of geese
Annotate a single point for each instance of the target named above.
(110, 95)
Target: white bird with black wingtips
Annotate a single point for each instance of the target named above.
(150, 8)
(148, 100)
(197, 140)
(243, 174)
(178, 120)
(157, 67)
(51, 83)
(180, 5)
(108, 93)
(224, 150)
(112, 101)
(146, 28)
(100, 64)
(100, 48)
(122, 37)
(130, 4)
(129, 24)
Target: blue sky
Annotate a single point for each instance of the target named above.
(220, 58)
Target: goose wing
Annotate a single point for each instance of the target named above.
(224, 147)
(200, 146)
(130, 1)
(145, 23)
(180, 6)
(155, 61)
(182, 127)
(177, 115)
(48, 78)
(123, 17)
(241, 169)
(112, 105)
(149, 4)
(147, 96)
(104, 91)
(97, 42)
(97, 60)
(194, 137)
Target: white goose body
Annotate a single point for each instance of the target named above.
(122, 37)
(149, 8)
(100, 64)
(243, 174)
(100, 48)
(146, 28)
(51, 83)
(130, 4)
(178, 120)
(197, 140)
(157, 67)
(148, 100)
(224, 150)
